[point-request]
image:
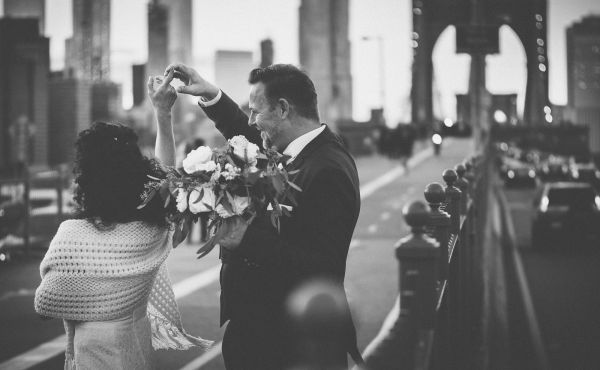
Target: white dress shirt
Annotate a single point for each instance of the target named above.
(207, 103)
(295, 147)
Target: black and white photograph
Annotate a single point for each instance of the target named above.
(299, 184)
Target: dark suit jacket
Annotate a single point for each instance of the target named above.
(313, 243)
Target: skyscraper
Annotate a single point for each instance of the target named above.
(169, 34)
(266, 53)
(25, 65)
(170, 40)
(179, 30)
(158, 38)
(231, 72)
(583, 63)
(139, 79)
(88, 51)
(583, 76)
(325, 55)
(71, 112)
(27, 9)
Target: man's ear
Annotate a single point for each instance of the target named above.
(284, 107)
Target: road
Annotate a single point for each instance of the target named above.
(563, 287)
(371, 279)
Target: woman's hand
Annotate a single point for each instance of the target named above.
(194, 83)
(163, 96)
(161, 93)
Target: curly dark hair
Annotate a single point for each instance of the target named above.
(110, 173)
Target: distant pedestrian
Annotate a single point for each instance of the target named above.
(22, 133)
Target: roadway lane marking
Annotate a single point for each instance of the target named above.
(532, 320)
(17, 293)
(386, 327)
(355, 243)
(371, 187)
(49, 349)
(208, 356)
(520, 207)
(188, 286)
(36, 355)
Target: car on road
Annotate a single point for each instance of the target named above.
(555, 168)
(517, 174)
(585, 172)
(567, 213)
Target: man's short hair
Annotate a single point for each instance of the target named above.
(289, 82)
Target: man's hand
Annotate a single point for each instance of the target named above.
(161, 93)
(194, 83)
(233, 232)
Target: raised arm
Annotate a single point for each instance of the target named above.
(163, 97)
(229, 119)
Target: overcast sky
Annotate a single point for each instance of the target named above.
(241, 24)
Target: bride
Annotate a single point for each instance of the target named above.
(105, 271)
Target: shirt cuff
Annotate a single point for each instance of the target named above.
(204, 103)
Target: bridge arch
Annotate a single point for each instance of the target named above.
(526, 17)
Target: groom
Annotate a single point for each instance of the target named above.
(262, 267)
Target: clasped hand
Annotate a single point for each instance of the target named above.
(195, 85)
(161, 93)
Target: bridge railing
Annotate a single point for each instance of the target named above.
(440, 321)
(22, 227)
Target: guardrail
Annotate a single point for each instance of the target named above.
(440, 322)
(17, 232)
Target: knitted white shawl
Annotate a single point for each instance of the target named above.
(97, 275)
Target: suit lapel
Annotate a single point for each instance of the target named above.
(327, 136)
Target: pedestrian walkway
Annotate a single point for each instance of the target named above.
(372, 269)
(371, 278)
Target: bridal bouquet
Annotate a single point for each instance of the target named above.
(236, 180)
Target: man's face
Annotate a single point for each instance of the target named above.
(265, 118)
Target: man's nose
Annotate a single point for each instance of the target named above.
(251, 120)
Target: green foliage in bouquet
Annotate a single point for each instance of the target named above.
(234, 181)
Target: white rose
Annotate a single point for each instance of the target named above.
(238, 205)
(252, 152)
(182, 200)
(198, 159)
(244, 149)
(206, 204)
(208, 166)
(222, 212)
(230, 172)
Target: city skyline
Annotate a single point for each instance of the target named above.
(250, 21)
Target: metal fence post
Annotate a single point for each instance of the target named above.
(27, 203)
(418, 259)
(470, 177)
(463, 185)
(452, 198)
(439, 222)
